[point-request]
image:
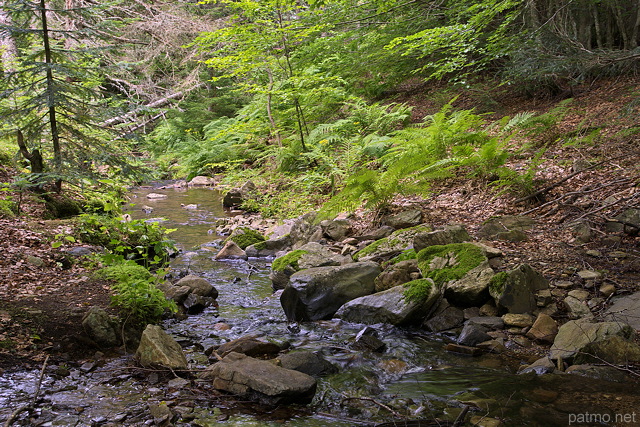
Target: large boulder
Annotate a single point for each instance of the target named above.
(159, 350)
(405, 304)
(304, 230)
(336, 229)
(250, 346)
(445, 317)
(625, 309)
(268, 248)
(317, 293)
(397, 274)
(307, 256)
(449, 234)
(472, 289)
(514, 291)
(577, 336)
(404, 219)
(388, 247)
(260, 380)
(198, 286)
(101, 328)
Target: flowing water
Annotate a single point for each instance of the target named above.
(413, 378)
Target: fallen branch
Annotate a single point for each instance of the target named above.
(30, 406)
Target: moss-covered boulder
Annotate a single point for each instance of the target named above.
(245, 237)
(406, 304)
(308, 256)
(391, 246)
(514, 291)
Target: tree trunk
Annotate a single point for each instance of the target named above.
(34, 157)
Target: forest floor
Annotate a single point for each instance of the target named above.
(43, 299)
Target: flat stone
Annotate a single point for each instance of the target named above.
(574, 336)
(489, 322)
(589, 275)
(518, 320)
(544, 329)
(607, 290)
(152, 196)
(579, 294)
(577, 308)
(625, 309)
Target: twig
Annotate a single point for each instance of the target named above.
(30, 406)
(460, 418)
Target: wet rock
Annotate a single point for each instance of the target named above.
(249, 346)
(336, 229)
(198, 286)
(260, 380)
(605, 373)
(625, 309)
(307, 362)
(388, 247)
(518, 320)
(492, 346)
(541, 366)
(449, 234)
(576, 336)
(202, 181)
(462, 349)
(195, 304)
(396, 274)
(404, 219)
(392, 306)
(446, 317)
(544, 329)
(317, 293)
(489, 322)
(231, 250)
(307, 256)
(161, 413)
(514, 291)
(101, 328)
(367, 340)
(473, 334)
(159, 350)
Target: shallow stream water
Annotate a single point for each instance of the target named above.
(414, 378)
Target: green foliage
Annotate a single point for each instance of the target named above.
(289, 260)
(453, 261)
(497, 283)
(135, 292)
(418, 290)
(8, 208)
(137, 240)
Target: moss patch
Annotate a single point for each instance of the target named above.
(7, 209)
(124, 272)
(417, 290)
(395, 239)
(245, 237)
(290, 259)
(404, 256)
(497, 283)
(444, 263)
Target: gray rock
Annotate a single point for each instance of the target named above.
(603, 373)
(628, 222)
(625, 309)
(268, 248)
(514, 292)
(446, 317)
(307, 362)
(449, 234)
(198, 286)
(260, 380)
(249, 346)
(101, 328)
(544, 329)
(494, 226)
(617, 350)
(388, 247)
(473, 334)
(336, 229)
(541, 366)
(390, 306)
(494, 323)
(396, 274)
(577, 308)
(404, 219)
(195, 304)
(201, 181)
(159, 350)
(576, 336)
(518, 320)
(473, 288)
(231, 250)
(303, 231)
(317, 293)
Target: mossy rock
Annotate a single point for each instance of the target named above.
(444, 263)
(498, 283)
(61, 206)
(289, 260)
(245, 237)
(418, 290)
(391, 246)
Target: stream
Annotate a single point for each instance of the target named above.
(413, 378)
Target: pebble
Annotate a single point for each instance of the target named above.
(594, 253)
